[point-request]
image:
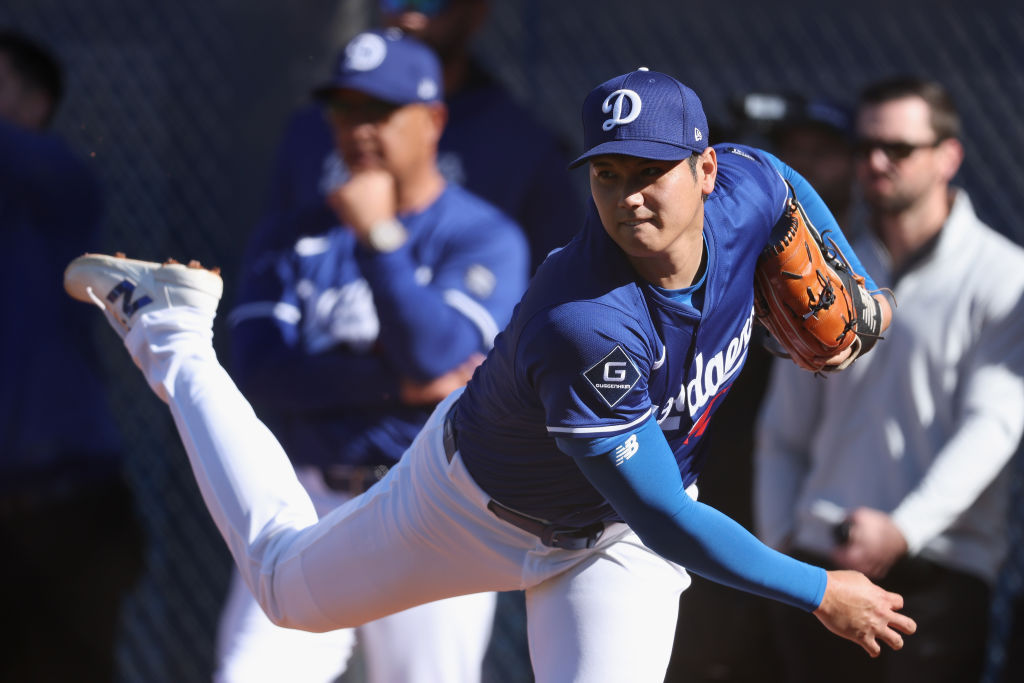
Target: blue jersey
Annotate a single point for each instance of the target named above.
(593, 350)
(491, 146)
(325, 331)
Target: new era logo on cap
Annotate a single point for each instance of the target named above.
(643, 114)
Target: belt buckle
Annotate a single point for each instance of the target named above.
(572, 538)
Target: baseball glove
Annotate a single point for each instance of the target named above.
(810, 300)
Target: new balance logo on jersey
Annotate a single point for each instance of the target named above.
(626, 450)
(127, 290)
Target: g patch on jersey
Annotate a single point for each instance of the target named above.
(613, 376)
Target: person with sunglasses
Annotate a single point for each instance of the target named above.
(898, 467)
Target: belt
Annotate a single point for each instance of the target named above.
(550, 534)
(352, 479)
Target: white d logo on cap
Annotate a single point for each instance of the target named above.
(613, 104)
(365, 52)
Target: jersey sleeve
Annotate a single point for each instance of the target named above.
(431, 323)
(589, 364)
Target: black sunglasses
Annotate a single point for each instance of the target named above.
(894, 151)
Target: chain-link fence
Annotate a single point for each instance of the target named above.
(178, 106)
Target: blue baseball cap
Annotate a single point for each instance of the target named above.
(643, 114)
(388, 65)
(779, 112)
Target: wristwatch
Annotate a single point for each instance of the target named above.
(387, 236)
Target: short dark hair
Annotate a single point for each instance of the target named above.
(35, 64)
(945, 118)
(692, 161)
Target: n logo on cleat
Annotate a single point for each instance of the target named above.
(127, 289)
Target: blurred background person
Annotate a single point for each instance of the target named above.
(63, 496)
(492, 145)
(346, 341)
(814, 135)
(897, 466)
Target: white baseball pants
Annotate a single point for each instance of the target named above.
(423, 533)
(439, 642)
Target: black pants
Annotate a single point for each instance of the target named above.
(67, 562)
(951, 610)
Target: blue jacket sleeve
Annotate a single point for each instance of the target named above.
(821, 217)
(641, 480)
(430, 329)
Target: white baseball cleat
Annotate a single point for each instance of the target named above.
(125, 288)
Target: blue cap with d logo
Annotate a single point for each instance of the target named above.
(643, 114)
(388, 65)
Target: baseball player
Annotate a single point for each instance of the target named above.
(567, 466)
(485, 123)
(344, 351)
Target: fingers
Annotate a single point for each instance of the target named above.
(839, 357)
(887, 635)
(897, 622)
(903, 623)
(871, 647)
(859, 610)
(891, 638)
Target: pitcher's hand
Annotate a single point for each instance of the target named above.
(858, 610)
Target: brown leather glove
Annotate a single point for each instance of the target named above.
(810, 299)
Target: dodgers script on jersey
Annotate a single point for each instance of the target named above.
(593, 351)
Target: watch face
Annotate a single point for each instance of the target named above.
(387, 236)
